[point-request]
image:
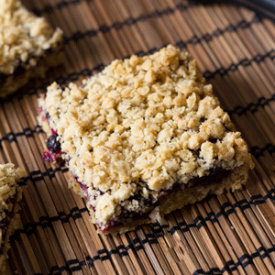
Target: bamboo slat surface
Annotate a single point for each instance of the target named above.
(229, 234)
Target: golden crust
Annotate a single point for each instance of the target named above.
(142, 122)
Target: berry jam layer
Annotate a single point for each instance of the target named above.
(216, 176)
(10, 83)
(4, 223)
(54, 148)
(147, 205)
(21, 66)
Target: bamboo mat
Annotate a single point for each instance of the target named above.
(229, 234)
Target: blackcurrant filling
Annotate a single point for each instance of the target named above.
(124, 217)
(21, 66)
(215, 175)
(54, 148)
(4, 224)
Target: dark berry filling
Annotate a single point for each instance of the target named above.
(215, 176)
(53, 145)
(123, 219)
(54, 148)
(22, 67)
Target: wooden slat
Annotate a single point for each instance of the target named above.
(229, 234)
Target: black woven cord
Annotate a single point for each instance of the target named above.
(122, 251)
(39, 175)
(158, 229)
(89, 261)
(116, 25)
(53, 269)
(233, 67)
(71, 268)
(103, 254)
(230, 266)
(56, 270)
(63, 4)
(182, 226)
(137, 244)
(252, 107)
(200, 221)
(10, 137)
(246, 260)
(95, 258)
(259, 152)
(243, 204)
(215, 271)
(227, 210)
(211, 217)
(127, 22)
(149, 238)
(181, 44)
(270, 194)
(243, 261)
(201, 272)
(27, 132)
(155, 14)
(44, 221)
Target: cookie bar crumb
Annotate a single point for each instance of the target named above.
(10, 194)
(143, 130)
(28, 46)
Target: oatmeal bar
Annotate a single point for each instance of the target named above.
(142, 138)
(10, 194)
(28, 46)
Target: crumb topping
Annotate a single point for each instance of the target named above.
(143, 122)
(23, 36)
(9, 177)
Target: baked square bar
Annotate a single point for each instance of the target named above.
(142, 138)
(10, 194)
(28, 46)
